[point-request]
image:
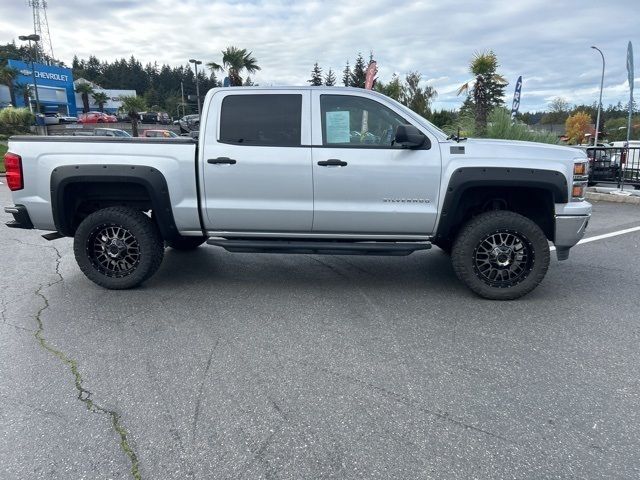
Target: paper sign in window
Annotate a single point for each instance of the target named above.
(337, 124)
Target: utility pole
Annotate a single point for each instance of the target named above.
(33, 37)
(595, 142)
(196, 63)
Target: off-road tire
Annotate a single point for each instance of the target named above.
(143, 235)
(468, 260)
(185, 243)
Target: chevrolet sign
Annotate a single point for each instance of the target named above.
(52, 76)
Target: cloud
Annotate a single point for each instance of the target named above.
(546, 42)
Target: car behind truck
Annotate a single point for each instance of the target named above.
(304, 170)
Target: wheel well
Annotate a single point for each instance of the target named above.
(83, 198)
(537, 204)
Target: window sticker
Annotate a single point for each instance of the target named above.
(337, 125)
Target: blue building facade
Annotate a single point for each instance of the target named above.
(55, 87)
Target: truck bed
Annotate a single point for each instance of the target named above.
(174, 158)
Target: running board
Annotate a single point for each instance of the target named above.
(319, 247)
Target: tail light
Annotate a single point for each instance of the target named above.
(13, 166)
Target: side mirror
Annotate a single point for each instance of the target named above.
(409, 136)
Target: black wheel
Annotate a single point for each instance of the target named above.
(118, 247)
(185, 243)
(501, 255)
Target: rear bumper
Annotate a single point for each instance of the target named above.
(20, 217)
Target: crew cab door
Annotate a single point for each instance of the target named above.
(362, 183)
(256, 162)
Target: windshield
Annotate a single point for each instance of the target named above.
(430, 126)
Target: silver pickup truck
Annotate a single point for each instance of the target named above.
(304, 170)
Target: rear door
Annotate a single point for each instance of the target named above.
(257, 162)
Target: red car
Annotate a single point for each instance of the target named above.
(96, 117)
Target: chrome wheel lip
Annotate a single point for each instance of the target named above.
(503, 258)
(113, 250)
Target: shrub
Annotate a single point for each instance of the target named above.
(501, 126)
(15, 120)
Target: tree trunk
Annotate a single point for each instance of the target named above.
(12, 94)
(85, 102)
(134, 125)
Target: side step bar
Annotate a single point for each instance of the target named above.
(319, 247)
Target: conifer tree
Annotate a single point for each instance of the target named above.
(330, 79)
(346, 75)
(316, 76)
(359, 74)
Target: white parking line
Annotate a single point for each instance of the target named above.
(606, 235)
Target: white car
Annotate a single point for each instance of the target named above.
(58, 118)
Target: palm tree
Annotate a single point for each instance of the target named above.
(100, 98)
(487, 87)
(84, 89)
(25, 90)
(7, 77)
(234, 61)
(133, 105)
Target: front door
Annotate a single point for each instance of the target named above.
(257, 162)
(363, 184)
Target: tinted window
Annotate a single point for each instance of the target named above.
(271, 120)
(357, 122)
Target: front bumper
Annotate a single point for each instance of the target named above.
(21, 217)
(569, 230)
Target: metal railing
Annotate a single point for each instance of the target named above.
(620, 165)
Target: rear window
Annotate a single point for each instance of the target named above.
(265, 120)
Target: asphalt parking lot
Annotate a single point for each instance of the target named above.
(273, 366)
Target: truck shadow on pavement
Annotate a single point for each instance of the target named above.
(430, 270)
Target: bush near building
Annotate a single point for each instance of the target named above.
(15, 121)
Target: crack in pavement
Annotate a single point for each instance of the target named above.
(196, 416)
(84, 395)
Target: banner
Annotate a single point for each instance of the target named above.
(516, 98)
(372, 71)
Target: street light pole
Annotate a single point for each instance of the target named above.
(595, 142)
(33, 37)
(196, 63)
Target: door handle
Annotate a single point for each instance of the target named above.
(332, 162)
(222, 160)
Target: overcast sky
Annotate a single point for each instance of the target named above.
(547, 42)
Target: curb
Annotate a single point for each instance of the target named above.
(606, 197)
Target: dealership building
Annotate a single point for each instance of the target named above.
(55, 87)
(56, 90)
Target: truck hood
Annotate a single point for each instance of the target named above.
(480, 148)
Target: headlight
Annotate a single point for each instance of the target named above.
(580, 179)
(580, 169)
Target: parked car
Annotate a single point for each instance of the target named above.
(284, 174)
(58, 118)
(155, 117)
(123, 117)
(189, 123)
(96, 117)
(111, 132)
(159, 134)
